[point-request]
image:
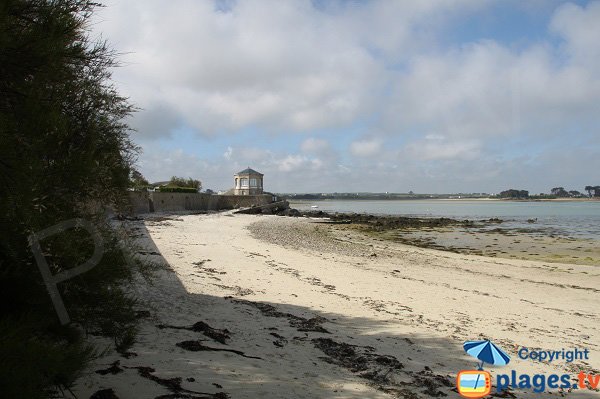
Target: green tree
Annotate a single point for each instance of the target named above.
(559, 192)
(138, 181)
(183, 182)
(65, 153)
(512, 193)
(589, 190)
(593, 191)
(575, 193)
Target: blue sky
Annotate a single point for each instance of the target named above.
(324, 96)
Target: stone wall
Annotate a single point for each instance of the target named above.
(243, 201)
(139, 202)
(147, 202)
(166, 202)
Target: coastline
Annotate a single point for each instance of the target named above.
(593, 199)
(316, 312)
(493, 237)
(566, 233)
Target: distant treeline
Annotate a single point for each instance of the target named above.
(379, 196)
(138, 182)
(556, 192)
(512, 193)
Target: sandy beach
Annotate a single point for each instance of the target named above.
(252, 306)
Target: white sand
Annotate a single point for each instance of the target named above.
(417, 305)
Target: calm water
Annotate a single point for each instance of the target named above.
(580, 219)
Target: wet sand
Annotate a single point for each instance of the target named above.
(274, 307)
(504, 243)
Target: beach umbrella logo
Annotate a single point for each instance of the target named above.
(487, 352)
(478, 383)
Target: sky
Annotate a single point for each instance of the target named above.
(441, 96)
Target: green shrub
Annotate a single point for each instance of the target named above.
(35, 365)
(183, 182)
(65, 153)
(167, 189)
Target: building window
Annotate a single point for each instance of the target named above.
(244, 183)
(253, 183)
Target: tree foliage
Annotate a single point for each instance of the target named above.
(575, 193)
(138, 181)
(65, 153)
(559, 192)
(183, 182)
(593, 191)
(512, 193)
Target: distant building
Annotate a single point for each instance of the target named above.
(248, 182)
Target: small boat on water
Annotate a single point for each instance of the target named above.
(314, 206)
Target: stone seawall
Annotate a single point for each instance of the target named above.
(148, 202)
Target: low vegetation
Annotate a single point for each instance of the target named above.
(181, 185)
(556, 192)
(185, 183)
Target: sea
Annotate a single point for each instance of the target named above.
(579, 219)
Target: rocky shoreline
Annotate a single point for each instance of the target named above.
(386, 222)
(492, 237)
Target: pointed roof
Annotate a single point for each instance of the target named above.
(249, 171)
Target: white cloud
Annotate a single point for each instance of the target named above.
(156, 120)
(314, 145)
(159, 165)
(279, 65)
(228, 153)
(293, 163)
(486, 90)
(580, 27)
(366, 147)
(435, 147)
